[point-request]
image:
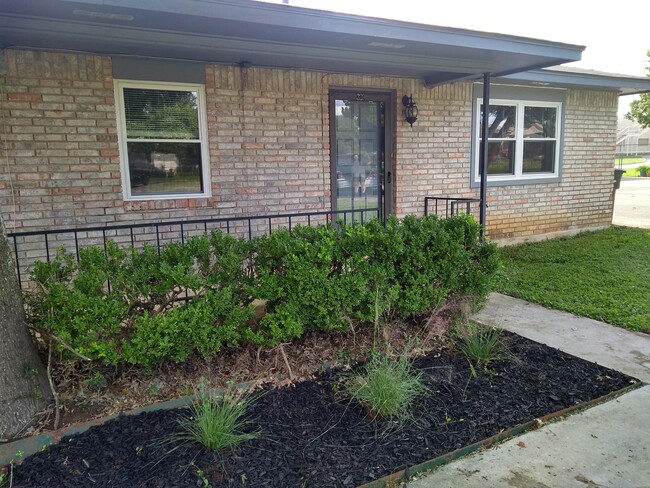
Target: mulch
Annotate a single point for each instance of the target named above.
(313, 437)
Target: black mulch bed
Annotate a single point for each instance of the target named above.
(311, 438)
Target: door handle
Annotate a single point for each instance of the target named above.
(389, 177)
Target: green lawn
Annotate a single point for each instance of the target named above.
(626, 160)
(604, 275)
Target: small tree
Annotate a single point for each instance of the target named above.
(640, 109)
(24, 386)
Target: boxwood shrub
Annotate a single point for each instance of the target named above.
(118, 304)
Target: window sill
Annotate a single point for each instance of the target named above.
(179, 196)
(539, 180)
(168, 204)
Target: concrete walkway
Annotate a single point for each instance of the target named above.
(632, 203)
(605, 446)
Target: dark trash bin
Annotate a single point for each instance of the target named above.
(618, 174)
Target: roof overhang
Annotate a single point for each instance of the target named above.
(272, 35)
(570, 77)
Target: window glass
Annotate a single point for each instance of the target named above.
(161, 114)
(539, 157)
(162, 137)
(539, 121)
(523, 140)
(502, 121)
(501, 158)
(164, 167)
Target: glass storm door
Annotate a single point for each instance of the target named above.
(360, 178)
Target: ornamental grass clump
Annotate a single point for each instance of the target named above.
(386, 388)
(481, 345)
(218, 422)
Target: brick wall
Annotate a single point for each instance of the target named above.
(268, 139)
(434, 156)
(61, 162)
(583, 198)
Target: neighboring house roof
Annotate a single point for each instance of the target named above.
(626, 123)
(272, 35)
(633, 127)
(631, 133)
(568, 76)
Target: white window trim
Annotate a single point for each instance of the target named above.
(518, 175)
(119, 85)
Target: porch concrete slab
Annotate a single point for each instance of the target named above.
(605, 446)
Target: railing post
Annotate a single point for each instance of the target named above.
(20, 281)
(484, 150)
(47, 248)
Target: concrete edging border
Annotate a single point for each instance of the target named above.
(406, 473)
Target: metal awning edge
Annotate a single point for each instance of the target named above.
(624, 84)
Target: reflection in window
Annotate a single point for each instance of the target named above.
(501, 121)
(162, 137)
(539, 157)
(539, 121)
(159, 168)
(501, 158)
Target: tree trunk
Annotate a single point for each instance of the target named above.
(24, 387)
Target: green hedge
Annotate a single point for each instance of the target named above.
(312, 278)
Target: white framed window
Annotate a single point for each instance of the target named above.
(162, 139)
(523, 141)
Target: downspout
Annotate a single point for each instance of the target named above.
(484, 151)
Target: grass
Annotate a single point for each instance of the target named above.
(626, 160)
(604, 275)
(635, 171)
(481, 345)
(387, 388)
(217, 422)
(631, 172)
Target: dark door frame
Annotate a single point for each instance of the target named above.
(388, 98)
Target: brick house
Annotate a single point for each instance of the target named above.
(191, 109)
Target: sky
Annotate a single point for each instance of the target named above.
(616, 34)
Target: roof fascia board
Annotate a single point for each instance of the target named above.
(626, 85)
(308, 19)
(80, 31)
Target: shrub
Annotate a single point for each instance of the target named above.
(386, 388)
(643, 170)
(366, 258)
(296, 275)
(122, 305)
(96, 382)
(204, 324)
(143, 307)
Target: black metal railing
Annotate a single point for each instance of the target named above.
(32, 246)
(444, 207)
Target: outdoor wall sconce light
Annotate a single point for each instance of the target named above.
(410, 109)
